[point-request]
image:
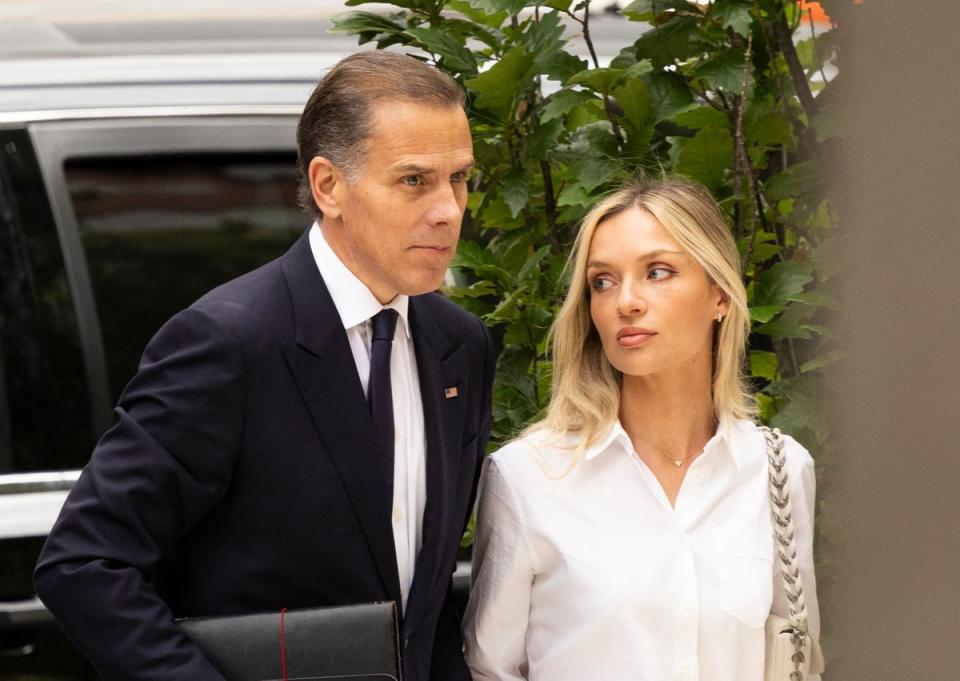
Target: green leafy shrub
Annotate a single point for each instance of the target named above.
(720, 92)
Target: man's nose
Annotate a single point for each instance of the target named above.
(445, 208)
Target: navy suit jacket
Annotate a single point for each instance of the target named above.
(242, 476)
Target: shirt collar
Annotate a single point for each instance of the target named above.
(725, 437)
(355, 302)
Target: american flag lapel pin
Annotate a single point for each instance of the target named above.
(450, 393)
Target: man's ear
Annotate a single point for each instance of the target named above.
(324, 178)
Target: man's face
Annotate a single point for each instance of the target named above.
(399, 221)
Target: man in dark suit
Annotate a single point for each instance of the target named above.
(310, 433)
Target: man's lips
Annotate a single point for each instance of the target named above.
(434, 249)
(631, 336)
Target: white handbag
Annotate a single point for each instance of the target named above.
(791, 652)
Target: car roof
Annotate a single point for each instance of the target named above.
(68, 59)
(99, 59)
(83, 87)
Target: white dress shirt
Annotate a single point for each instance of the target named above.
(593, 575)
(356, 306)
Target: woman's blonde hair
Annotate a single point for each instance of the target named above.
(585, 394)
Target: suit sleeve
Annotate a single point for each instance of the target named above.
(166, 461)
(447, 662)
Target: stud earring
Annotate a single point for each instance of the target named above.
(719, 317)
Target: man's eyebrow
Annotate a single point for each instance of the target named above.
(420, 170)
(646, 256)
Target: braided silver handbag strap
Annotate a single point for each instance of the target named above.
(782, 514)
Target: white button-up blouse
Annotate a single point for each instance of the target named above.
(592, 575)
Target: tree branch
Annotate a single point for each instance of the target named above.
(550, 207)
(608, 105)
(789, 51)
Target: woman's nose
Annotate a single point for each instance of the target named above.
(630, 302)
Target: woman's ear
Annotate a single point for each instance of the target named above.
(723, 303)
(324, 178)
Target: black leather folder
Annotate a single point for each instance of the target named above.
(355, 643)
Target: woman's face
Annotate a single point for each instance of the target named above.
(652, 304)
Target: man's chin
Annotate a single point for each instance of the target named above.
(427, 283)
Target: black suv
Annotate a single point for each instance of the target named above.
(130, 185)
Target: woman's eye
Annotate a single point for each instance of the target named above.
(599, 283)
(658, 273)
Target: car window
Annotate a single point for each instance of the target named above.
(160, 230)
(45, 418)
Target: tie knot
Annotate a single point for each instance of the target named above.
(384, 324)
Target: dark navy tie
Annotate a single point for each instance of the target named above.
(379, 391)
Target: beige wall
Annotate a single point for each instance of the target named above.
(893, 610)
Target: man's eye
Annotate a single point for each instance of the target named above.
(412, 180)
(658, 273)
(458, 177)
(600, 283)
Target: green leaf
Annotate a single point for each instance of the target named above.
(724, 71)
(819, 329)
(668, 95)
(498, 87)
(677, 40)
(767, 407)
(707, 157)
(454, 55)
(475, 290)
(633, 98)
(561, 103)
(780, 282)
(814, 299)
(515, 188)
(510, 7)
(599, 80)
(542, 142)
(793, 182)
(647, 6)
(405, 4)
(544, 35)
(781, 328)
(590, 173)
(821, 361)
(530, 272)
(559, 65)
(828, 123)
(362, 22)
(769, 129)
(573, 195)
(701, 117)
(764, 313)
(471, 256)
(478, 11)
(804, 408)
(734, 14)
(764, 364)
(507, 310)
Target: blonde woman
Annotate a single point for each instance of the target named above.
(627, 536)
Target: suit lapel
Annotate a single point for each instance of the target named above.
(326, 375)
(440, 366)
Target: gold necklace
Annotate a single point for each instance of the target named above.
(676, 462)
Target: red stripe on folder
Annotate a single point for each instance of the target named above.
(283, 647)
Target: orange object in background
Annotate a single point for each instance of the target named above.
(816, 11)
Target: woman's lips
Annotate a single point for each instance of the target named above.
(630, 337)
